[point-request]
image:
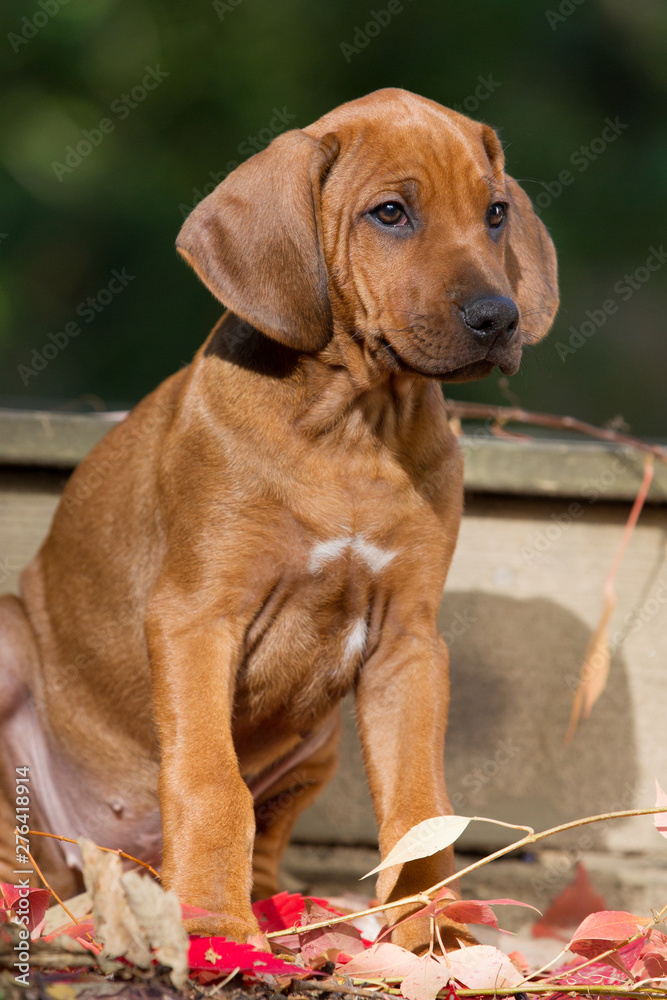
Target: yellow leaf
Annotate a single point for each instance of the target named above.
(61, 991)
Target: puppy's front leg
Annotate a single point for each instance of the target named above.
(208, 823)
(402, 704)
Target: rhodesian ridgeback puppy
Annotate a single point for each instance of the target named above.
(272, 527)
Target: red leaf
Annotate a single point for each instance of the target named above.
(478, 911)
(325, 943)
(37, 904)
(284, 910)
(604, 930)
(72, 930)
(569, 908)
(208, 953)
(596, 974)
(469, 911)
(519, 959)
(654, 965)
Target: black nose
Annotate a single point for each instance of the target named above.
(493, 320)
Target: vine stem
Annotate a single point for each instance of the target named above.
(515, 414)
(59, 900)
(109, 850)
(531, 838)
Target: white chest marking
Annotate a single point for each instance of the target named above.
(375, 558)
(324, 552)
(355, 641)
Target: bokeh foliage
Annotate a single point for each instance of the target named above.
(555, 81)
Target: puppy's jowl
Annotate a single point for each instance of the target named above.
(275, 522)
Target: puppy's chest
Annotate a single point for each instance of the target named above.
(318, 624)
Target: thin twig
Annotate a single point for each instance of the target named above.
(331, 986)
(109, 850)
(516, 414)
(54, 960)
(631, 522)
(581, 991)
(517, 845)
(59, 900)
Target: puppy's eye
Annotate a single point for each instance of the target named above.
(390, 213)
(496, 214)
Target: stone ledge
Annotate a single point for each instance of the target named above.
(539, 467)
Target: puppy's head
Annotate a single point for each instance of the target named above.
(389, 224)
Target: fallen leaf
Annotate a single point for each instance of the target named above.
(595, 669)
(604, 930)
(60, 991)
(135, 919)
(593, 975)
(576, 901)
(652, 962)
(324, 943)
(75, 932)
(481, 966)
(427, 978)
(38, 901)
(57, 919)
(116, 927)
(384, 961)
(423, 840)
(206, 953)
(462, 911)
(478, 911)
(519, 959)
(158, 914)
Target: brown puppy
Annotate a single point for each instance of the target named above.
(272, 527)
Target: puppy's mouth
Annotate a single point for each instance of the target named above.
(430, 368)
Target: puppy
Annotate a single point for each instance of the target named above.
(272, 527)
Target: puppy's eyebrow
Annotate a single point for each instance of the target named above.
(408, 184)
(492, 181)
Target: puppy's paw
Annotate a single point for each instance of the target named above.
(236, 928)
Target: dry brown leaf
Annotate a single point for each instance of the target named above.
(159, 916)
(595, 670)
(116, 927)
(134, 917)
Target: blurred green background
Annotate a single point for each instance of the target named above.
(186, 90)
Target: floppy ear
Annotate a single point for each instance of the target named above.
(255, 240)
(531, 264)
